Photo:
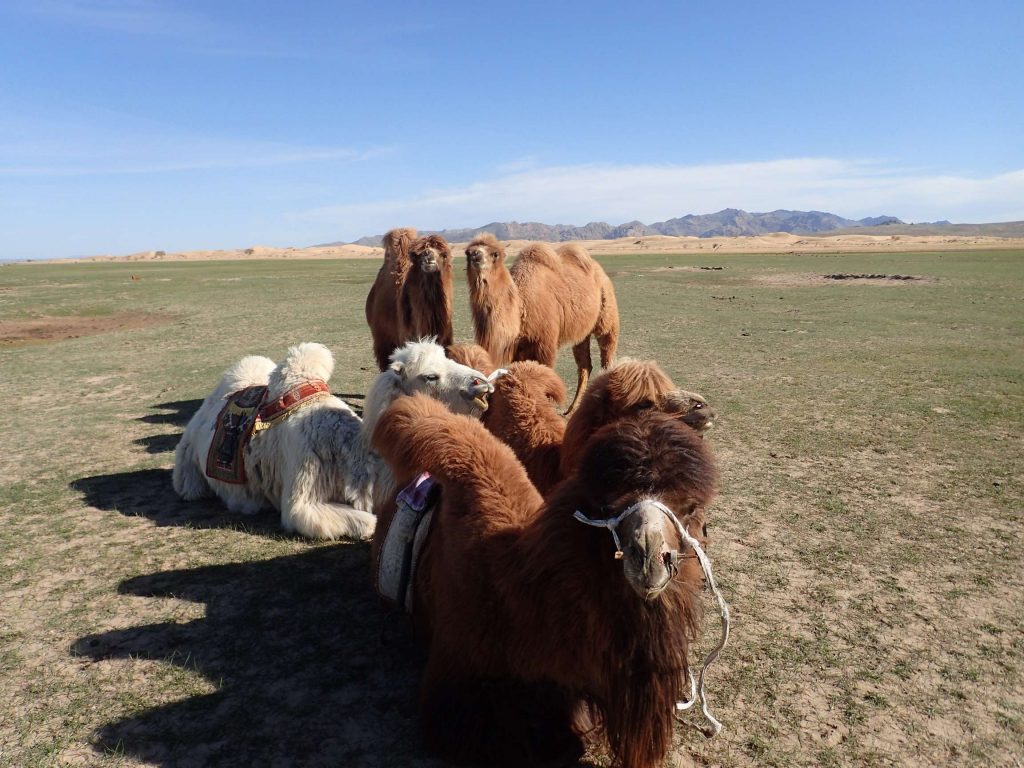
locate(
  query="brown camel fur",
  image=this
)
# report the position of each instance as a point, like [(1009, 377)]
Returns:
[(535, 630), (425, 298), (522, 408), (473, 356), (546, 300), (382, 300), (523, 414)]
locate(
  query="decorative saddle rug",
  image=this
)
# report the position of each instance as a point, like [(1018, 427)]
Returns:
[(246, 412), (404, 540)]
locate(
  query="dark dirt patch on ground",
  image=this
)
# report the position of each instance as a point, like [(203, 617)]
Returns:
[(42, 329), (847, 276)]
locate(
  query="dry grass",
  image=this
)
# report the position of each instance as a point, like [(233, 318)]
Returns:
[(868, 532)]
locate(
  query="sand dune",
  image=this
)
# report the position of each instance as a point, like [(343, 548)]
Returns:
[(777, 242)]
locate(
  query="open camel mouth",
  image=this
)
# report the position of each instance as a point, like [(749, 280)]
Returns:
[(483, 402)]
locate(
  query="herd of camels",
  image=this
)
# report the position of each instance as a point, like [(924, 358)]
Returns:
[(558, 587)]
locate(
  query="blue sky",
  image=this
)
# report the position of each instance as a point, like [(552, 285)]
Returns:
[(130, 125)]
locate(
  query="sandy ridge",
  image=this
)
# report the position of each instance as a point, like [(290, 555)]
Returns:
[(779, 242)]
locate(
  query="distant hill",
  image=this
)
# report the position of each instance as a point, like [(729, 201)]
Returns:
[(1001, 229), (728, 222)]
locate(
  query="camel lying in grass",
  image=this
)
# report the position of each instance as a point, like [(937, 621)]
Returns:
[(294, 447)]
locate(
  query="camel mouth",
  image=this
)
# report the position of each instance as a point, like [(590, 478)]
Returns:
[(429, 266)]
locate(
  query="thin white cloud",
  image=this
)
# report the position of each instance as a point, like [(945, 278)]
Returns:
[(135, 17), (104, 143), (616, 193), (238, 158)]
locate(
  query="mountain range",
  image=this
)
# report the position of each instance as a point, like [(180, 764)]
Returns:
[(729, 222)]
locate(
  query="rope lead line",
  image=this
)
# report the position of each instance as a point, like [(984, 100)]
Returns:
[(696, 686)]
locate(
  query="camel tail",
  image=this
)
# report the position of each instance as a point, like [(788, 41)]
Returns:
[(607, 329), (329, 520)]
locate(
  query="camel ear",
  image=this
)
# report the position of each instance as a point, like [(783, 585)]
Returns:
[(399, 368)]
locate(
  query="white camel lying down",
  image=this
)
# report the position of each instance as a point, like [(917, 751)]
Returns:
[(314, 463)]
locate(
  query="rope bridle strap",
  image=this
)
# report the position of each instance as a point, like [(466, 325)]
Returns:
[(696, 686)]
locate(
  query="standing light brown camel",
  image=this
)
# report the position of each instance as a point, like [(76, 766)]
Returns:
[(425, 298), (382, 301), (538, 628), (545, 300)]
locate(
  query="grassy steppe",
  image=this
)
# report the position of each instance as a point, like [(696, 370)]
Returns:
[(867, 534)]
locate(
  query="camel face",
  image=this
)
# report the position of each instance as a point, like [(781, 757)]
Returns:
[(691, 409), (483, 255), (648, 560), (430, 259), (422, 367)]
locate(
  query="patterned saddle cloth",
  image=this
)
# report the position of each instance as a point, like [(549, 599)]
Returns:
[(245, 412), (404, 540)]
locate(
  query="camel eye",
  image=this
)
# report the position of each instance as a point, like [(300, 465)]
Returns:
[(430, 378), (698, 406), (644, 405)]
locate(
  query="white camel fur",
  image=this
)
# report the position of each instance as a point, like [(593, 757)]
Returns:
[(315, 465)]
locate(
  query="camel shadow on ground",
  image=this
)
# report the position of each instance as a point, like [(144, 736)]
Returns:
[(178, 414), (148, 493), (309, 668)]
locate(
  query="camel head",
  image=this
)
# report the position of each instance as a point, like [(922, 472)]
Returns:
[(690, 408), (638, 478), (431, 254), (483, 254), (421, 366)]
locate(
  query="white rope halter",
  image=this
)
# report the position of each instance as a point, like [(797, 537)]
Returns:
[(696, 687)]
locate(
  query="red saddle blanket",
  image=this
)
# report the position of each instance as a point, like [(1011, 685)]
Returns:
[(235, 423), (248, 410)]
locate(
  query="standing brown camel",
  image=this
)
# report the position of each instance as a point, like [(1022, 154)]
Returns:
[(382, 301), (425, 298), (546, 300), (537, 628)]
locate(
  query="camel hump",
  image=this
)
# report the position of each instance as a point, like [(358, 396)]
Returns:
[(539, 254), (575, 256), (396, 242)]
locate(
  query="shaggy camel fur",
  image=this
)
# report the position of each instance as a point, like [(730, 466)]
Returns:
[(523, 415), (315, 465), (522, 412), (425, 299), (382, 301), (546, 300), (472, 355), (535, 630)]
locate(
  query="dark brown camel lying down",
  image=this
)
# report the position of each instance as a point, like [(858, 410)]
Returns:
[(544, 631)]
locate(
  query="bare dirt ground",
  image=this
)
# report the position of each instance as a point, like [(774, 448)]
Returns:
[(40, 329)]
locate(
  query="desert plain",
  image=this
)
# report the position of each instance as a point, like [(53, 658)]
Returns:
[(867, 533)]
